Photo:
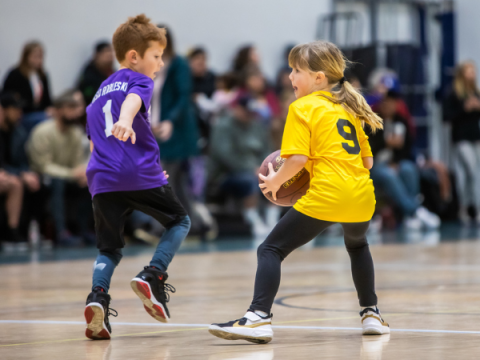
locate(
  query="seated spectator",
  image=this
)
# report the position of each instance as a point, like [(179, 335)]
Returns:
[(29, 82), (462, 110), (239, 145), (14, 158), (246, 58), (264, 102), (226, 92), (381, 81), (56, 152), (393, 171), (12, 189), (283, 86), (96, 71), (203, 87)]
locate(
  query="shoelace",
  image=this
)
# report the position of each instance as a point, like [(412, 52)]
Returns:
[(168, 287), (110, 313)]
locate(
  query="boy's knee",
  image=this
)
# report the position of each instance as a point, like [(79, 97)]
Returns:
[(186, 222), (114, 254)]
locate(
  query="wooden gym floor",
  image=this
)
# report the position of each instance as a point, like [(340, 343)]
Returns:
[(428, 291)]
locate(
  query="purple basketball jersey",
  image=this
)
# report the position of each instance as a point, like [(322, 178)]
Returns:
[(116, 165)]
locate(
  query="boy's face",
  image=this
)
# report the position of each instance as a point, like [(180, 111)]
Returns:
[(151, 63)]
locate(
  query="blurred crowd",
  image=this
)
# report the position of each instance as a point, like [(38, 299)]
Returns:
[(214, 131)]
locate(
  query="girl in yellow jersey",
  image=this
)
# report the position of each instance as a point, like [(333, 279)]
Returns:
[(324, 133)]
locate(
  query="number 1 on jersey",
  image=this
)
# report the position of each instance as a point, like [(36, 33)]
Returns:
[(107, 110)]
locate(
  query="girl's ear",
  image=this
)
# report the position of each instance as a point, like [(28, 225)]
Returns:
[(319, 77)]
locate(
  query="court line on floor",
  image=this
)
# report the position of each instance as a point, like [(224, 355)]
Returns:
[(113, 336), (203, 326)]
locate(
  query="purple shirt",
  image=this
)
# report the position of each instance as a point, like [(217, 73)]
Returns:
[(116, 165)]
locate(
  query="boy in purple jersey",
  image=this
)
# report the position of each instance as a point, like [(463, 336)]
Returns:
[(126, 175)]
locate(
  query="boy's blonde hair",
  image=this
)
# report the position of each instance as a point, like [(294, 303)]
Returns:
[(326, 57), (136, 34)]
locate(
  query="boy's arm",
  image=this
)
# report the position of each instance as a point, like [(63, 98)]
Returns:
[(122, 129)]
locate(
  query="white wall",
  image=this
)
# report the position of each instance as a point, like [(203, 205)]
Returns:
[(69, 28), (468, 30)]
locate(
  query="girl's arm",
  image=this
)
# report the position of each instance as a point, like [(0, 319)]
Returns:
[(289, 169), (368, 162)]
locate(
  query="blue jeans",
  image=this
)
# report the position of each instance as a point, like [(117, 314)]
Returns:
[(241, 185), (59, 189), (401, 185)]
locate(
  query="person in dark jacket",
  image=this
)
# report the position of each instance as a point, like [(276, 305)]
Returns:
[(203, 87), (29, 82), (462, 110), (96, 71), (174, 123)]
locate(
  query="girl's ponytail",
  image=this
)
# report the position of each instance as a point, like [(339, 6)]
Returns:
[(356, 105), (325, 56)]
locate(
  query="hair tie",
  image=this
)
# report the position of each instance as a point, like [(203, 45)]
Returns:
[(342, 80)]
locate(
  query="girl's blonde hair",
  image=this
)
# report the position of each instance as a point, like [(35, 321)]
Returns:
[(462, 87), (326, 57)]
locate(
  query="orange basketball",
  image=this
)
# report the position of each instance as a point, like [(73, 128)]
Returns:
[(291, 190)]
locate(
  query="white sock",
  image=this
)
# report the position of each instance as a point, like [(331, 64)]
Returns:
[(272, 214), (261, 313)]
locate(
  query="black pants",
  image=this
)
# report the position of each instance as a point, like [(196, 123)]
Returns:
[(296, 229), (112, 208)]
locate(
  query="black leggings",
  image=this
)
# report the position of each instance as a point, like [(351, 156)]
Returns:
[(296, 229)]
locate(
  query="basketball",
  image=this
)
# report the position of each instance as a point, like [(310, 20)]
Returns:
[(291, 190)]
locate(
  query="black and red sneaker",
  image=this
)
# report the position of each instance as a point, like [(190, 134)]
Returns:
[(96, 315), (150, 287)]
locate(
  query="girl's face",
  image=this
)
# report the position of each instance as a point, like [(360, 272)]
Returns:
[(469, 73), (256, 83), (35, 58), (303, 82), (254, 57)]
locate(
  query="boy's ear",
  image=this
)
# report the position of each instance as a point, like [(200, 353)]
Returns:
[(132, 56)]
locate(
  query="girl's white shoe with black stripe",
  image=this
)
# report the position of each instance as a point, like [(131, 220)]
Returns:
[(373, 323), (252, 327)]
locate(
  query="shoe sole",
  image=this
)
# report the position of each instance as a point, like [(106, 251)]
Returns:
[(151, 305), (94, 316), (223, 334), (372, 330)]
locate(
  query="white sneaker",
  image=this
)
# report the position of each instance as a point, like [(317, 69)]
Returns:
[(429, 219), (464, 217), (372, 322), (412, 223), (252, 327)]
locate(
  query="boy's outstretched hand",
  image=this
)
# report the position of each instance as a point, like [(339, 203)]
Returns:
[(123, 131)]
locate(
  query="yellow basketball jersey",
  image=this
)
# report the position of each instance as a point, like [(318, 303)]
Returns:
[(335, 143)]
